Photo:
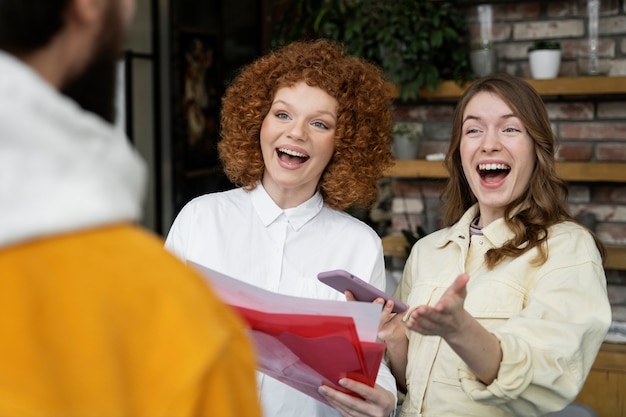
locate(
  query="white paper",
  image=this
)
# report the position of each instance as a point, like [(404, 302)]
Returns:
[(241, 294)]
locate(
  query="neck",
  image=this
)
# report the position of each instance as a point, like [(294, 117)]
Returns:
[(286, 198)]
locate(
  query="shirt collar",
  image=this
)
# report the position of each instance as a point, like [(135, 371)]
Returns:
[(497, 231), (297, 217)]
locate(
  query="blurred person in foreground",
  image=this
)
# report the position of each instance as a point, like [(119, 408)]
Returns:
[(95, 318), (509, 301)]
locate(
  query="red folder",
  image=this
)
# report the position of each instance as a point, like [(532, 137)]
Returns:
[(301, 348)]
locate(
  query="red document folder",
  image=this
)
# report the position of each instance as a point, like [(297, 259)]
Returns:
[(300, 344)]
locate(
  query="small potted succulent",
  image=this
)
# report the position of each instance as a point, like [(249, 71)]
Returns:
[(406, 140), (544, 57)]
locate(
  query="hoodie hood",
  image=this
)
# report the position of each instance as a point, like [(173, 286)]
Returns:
[(61, 169)]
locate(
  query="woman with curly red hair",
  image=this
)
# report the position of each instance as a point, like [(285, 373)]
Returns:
[(305, 135)]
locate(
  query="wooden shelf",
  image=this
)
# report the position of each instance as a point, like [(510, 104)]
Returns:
[(555, 87), (395, 245), (417, 168), (616, 258), (604, 387), (569, 171)]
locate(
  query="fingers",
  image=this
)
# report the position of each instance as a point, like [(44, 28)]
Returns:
[(459, 286), (424, 320), (350, 297), (346, 404), (454, 297), (390, 327), (374, 400), (387, 306)]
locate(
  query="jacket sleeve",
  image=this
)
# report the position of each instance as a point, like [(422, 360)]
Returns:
[(549, 347)]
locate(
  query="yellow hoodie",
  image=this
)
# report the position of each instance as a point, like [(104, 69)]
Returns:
[(103, 322)]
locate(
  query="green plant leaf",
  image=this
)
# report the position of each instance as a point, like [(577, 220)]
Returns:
[(417, 43)]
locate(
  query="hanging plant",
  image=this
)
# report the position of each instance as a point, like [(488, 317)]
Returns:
[(417, 43)]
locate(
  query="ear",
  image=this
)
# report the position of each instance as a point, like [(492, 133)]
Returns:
[(85, 12)]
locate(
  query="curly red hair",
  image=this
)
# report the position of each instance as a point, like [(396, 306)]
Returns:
[(364, 122)]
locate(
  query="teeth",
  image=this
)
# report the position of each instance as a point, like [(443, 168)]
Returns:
[(292, 153), (492, 167)]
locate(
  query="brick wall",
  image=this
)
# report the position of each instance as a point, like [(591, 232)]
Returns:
[(589, 128)]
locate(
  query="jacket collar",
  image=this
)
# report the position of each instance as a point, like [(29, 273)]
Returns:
[(497, 231)]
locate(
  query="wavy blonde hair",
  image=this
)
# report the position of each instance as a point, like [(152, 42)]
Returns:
[(544, 203), (364, 123)]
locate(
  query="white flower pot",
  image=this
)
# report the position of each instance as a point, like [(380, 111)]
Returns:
[(405, 147), (406, 144), (544, 63)]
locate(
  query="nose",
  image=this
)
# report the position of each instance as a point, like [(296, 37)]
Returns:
[(297, 130), (491, 141)]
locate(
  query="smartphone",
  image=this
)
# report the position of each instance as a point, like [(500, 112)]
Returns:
[(363, 291)]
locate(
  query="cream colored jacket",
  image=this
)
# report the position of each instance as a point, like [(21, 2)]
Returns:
[(550, 319)]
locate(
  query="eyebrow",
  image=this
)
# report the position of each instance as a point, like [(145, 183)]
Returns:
[(330, 113), (505, 116)]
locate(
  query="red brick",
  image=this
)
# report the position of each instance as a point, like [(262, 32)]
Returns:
[(548, 29), (593, 130), (438, 130), (603, 212), (609, 194), (578, 193), (413, 188), (619, 68), (612, 233), (611, 152), (612, 25), (568, 69), (571, 48), (574, 152), (612, 110), (566, 9), (517, 11), (499, 31), (513, 50), (507, 12), (423, 112), (502, 31), (570, 110)]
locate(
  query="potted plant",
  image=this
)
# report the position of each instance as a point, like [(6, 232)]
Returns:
[(406, 140), (544, 57), (417, 43)]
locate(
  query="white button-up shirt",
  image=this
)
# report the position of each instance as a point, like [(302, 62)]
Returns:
[(247, 236)]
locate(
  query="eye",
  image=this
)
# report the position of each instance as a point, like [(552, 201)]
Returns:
[(511, 130), (282, 115), (320, 125), (471, 131)]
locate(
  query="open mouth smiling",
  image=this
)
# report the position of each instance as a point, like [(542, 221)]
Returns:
[(493, 172), (289, 155)]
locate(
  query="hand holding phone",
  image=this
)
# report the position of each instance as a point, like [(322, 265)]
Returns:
[(363, 291)]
